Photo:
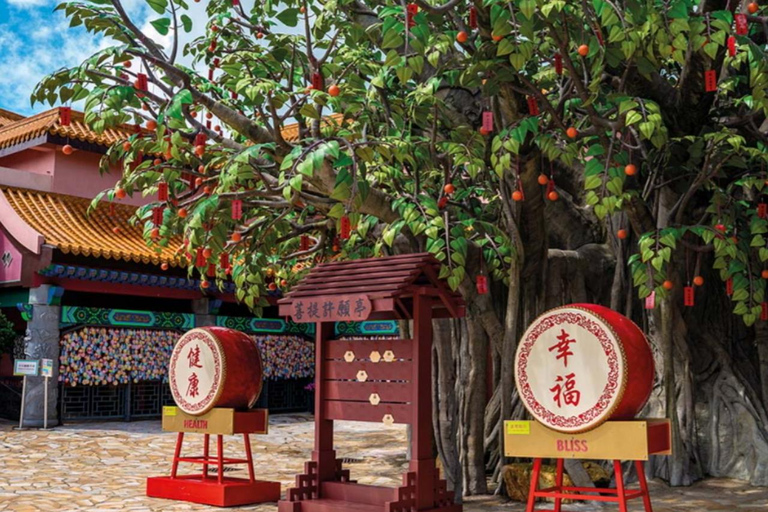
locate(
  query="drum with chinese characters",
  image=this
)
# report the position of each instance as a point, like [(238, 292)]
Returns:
[(215, 367), (580, 365)]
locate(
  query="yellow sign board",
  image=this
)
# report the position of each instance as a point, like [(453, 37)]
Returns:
[(518, 428), (218, 421), (169, 410), (613, 440)]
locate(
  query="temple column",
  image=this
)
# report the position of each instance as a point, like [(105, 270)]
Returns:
[(42, 341), (202, 311)]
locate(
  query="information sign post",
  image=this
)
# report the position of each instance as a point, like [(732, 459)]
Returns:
[(25, 368)]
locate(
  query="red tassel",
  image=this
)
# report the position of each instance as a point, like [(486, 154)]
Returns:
[(344, 228), (762, 210), (650, 300), (211, 270), (162, 191), (741, 24), (237, 209), (65, 116), (558, 64), (732, 46), (688, 295), (482, 285), (764, 311), (200, 139), (141, 82), (210, 74), (533, 106), (157, 215), (304, 243), (224, 260), (729, 286), (317, 81), (488, 121), (472, 17), (410, 12), (710, 80)]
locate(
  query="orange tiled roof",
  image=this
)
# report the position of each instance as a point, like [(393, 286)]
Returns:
[(16, 129), (8, 117), (64, 223), (48, 122), (291, 132)]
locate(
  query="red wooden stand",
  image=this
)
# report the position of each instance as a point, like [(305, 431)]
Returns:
[(372, 380), (217, 489), (559, 492)]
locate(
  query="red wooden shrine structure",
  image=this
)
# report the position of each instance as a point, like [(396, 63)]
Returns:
[(372, 380)]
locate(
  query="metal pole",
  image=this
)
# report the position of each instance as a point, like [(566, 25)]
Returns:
[(45, 405), (23, 396)]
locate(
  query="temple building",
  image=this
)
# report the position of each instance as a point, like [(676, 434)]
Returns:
[(86, 291)]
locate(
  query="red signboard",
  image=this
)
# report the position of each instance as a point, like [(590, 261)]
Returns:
[(340, 308)]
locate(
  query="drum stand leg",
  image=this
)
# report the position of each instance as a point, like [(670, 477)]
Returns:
[(619, 476), (206, 451), (534, 485), (220, 456), (177, 454), (249, 456), (643, 485), (559, 483)]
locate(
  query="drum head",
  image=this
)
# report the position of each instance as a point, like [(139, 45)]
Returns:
[(570, 369), (196, 372)]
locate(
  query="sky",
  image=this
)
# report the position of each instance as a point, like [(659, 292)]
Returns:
[(36, 41)]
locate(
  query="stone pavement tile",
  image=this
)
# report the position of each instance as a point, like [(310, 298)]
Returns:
[(104, 466)]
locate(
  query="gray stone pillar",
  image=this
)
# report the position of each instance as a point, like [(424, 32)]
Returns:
[(42, 341), (203, 317)]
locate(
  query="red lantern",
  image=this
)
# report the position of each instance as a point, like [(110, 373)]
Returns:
[(488, 121), (650, 300), (741, 24), (317, 81), (65, 116), (472, 17), (710, 80), (162, 191), (157, 215), (344, 228), (237, 209), (688, 296), (141, 82), (533, 106), (729, 286), (410, 12), (732, 46), (199, 258), (482, 285), (558, 64)]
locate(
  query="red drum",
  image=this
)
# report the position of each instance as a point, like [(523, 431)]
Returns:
[(580, 365), (215, 367)]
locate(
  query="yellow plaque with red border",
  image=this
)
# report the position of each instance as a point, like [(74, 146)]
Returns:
[(613, 440), (217, 421)]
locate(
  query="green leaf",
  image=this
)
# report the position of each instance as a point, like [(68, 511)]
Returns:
[(159, 6), (162, 25), (186, 22), (289, 17)]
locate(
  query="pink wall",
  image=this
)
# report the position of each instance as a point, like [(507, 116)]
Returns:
[(48, 169), (10, 273)]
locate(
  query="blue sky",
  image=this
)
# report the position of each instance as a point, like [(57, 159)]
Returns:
[(35, 41)]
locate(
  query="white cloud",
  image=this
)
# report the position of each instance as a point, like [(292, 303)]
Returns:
[(25, 4)]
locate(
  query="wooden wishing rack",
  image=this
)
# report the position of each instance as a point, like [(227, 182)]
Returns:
[(372, 380)]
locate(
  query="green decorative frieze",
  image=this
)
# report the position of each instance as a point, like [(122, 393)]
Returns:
[(74, 315)]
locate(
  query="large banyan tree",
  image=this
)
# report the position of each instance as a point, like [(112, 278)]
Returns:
[(546, 152)]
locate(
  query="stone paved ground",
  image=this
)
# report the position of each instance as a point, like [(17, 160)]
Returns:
[(101, 467)]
